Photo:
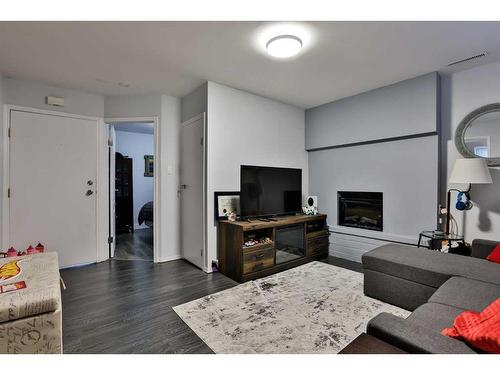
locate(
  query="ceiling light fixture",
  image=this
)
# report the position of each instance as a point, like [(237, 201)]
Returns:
[(284, 46)]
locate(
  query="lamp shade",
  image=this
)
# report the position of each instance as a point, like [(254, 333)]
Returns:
[(470, 171)]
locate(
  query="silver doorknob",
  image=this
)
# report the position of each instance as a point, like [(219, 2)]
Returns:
[(89, 193)]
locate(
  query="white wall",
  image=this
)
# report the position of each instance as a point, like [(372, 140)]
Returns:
[(168, 111), (462, 93), (169, 183), (248, 129), (135, 146)]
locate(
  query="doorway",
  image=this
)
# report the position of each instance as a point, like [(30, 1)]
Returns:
[(132, 181)]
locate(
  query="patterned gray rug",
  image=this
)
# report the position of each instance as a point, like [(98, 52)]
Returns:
[(314, 308)]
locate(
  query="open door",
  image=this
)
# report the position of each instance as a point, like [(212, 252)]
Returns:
[(112, 190), (192, 177)]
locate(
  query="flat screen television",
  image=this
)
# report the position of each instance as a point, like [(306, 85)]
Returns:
[(270, 191)]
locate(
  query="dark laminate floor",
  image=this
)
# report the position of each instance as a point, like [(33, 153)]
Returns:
[(135, 246), (126, 306)]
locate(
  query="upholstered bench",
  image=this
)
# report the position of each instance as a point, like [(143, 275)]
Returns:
[(30, 304)]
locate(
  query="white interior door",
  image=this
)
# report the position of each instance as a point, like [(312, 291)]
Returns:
[(192, 189), (52, 173)]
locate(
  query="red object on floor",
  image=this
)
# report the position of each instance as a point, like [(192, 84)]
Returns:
[(31, 250), (494, 255), (481, 330), (40, 248)]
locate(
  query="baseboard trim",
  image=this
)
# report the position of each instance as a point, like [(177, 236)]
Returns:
[(169, 258)]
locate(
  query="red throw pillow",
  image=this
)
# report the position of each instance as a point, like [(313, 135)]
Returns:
[(481, 330), (494, 255)]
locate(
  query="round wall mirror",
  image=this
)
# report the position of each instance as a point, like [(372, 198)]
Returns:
[(478, 135)]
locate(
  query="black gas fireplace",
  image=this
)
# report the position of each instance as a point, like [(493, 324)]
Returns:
[(360, 209)]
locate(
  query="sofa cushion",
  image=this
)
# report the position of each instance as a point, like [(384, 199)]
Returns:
[(434, 316), (428, 267), (479, 329), (466, 294)]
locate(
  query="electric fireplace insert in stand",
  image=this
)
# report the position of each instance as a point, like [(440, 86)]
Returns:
[(360, 209)]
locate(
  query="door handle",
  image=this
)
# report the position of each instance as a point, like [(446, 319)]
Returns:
[(89, 193), (184, 186), (90, 182)]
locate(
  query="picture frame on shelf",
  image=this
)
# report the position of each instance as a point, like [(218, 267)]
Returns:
[(226, 202)]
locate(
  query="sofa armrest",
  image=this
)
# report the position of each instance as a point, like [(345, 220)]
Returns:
[(413, 338), (482, 248)]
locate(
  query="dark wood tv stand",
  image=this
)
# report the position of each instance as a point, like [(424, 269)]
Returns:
[(285, 242)]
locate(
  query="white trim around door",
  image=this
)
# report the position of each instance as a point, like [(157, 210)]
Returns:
[(156, 178)]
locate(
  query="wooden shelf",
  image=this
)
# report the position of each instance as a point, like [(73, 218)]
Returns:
[(243, 263), (260, 246)]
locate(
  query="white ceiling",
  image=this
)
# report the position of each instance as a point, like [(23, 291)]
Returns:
[(135, 127), (339, 58)]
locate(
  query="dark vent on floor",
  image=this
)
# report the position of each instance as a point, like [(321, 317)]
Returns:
[(479, 55)]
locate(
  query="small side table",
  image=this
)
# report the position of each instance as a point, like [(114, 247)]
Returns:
[(438, 236)]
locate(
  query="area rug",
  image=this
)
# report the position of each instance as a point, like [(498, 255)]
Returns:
[(314, 308)]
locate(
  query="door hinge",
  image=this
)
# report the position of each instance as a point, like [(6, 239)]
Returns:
[(110, 239), (9, 132), (8, 193), (201, 141), (201, 252)]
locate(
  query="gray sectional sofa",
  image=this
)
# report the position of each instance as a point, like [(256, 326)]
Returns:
[(435, 286)]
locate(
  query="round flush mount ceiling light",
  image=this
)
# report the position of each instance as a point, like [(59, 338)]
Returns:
[(284, 46)]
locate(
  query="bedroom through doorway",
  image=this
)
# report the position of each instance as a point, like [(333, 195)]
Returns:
[(132, 174)]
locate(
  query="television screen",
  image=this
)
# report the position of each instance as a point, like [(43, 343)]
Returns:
[(268, 191)]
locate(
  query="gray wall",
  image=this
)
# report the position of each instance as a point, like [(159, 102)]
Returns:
[(405, 108), (463, 92), (32, 94), (195, 103), (406, 170)]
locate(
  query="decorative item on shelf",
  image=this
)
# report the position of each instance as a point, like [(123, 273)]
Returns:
[(309, 210), (466, 171), (253, 241), (148, 165), (227, 205)]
